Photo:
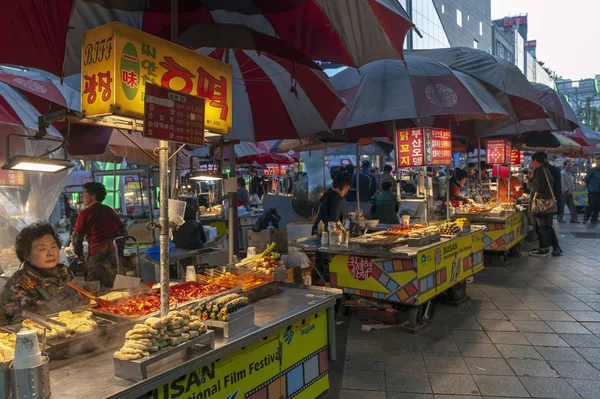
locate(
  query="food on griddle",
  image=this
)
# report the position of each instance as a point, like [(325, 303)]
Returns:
[(136, 306), (111, 296), (424, 232), (7, 348), (233, 280), (191, 290), (450, 228), (462, 222), (159, 332), (404, 228), (77, 323)]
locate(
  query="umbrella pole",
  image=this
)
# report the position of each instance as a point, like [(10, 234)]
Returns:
[(357, 175), (396, 171), (478, 158)]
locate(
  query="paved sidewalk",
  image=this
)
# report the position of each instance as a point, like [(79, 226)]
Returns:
[(531, 329)]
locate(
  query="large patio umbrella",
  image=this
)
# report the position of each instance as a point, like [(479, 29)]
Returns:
[(351, 32), (427, 93), (508, 84), (557, 107), (546, 141), (583, 135), (275, 99), (529, 125)]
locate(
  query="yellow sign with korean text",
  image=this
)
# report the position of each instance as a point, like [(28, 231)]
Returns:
[(117, 61), (292, 363)]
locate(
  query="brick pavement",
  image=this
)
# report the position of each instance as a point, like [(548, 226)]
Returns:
[(531, 329)]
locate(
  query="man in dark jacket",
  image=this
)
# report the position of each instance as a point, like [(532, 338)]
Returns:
[(592, 181), (367, 183), (557, 190), (190, 235)]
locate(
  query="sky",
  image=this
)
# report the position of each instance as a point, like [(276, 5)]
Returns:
[(566, 33)]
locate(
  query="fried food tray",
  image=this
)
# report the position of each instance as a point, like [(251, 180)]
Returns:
[(65, 348), (386, 241)]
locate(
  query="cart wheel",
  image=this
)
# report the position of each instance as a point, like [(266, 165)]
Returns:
[(457, 292), (417, 316), (516, 251)]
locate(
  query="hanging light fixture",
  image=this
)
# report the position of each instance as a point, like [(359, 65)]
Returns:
[(206, 176), (37, 164)]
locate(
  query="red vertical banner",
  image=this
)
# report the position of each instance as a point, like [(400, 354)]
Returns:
[(516, 157), (410, 144), (496, 152), (438, 147)]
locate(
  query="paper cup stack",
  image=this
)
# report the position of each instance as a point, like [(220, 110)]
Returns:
[(27, 351)]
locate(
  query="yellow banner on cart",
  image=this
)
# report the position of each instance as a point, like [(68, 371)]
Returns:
[(292, 363), (117, 61)]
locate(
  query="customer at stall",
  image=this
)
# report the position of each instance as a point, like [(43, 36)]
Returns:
[(99, 225), (190, 235), (330, 210), (40, 285), (386, 177), (242, 196), (541, 186), (592, 181), (568, 187), (386, 206)]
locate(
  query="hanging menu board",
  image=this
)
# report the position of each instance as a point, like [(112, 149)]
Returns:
[(497, 152), (516, 157), (424, 147), (410, 148), (438, 147)]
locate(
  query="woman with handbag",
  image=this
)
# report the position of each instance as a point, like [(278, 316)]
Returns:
[(543, 203)]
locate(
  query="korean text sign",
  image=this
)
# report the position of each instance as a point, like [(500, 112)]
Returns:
[(497, 152), (173, 116), (516, 157), (438, 147), (424, 147), (117, 61)]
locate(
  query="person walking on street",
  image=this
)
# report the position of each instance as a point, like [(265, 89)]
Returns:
[(568, 187), (557, 190), (592, 181), (541, 184)]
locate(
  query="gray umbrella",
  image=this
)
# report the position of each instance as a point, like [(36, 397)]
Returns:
[(557, 107), (508, 84), (427, 93)]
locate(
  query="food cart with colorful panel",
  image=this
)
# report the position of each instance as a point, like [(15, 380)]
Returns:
[(404, 275), (503, 234)]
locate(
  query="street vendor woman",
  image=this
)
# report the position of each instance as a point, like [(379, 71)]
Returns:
[(99, 225), (458, 180), (331, 210), (40, 285)]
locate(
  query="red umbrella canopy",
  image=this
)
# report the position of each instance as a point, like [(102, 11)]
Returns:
[(427, 93), (351, 32), (275, 99)]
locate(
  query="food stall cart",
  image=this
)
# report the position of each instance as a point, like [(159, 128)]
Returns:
[(382, 267)]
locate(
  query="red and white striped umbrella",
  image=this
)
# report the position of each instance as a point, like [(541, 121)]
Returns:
[(276, 99), (351, 32)]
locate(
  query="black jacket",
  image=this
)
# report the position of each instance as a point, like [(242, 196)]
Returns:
[(190, 235), (330, 208)]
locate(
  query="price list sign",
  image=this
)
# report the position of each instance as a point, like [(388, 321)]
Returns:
[(210, 168), (410, 148), (497, 152), (12, 178), (516, 157), (173, 116), (438, 147)]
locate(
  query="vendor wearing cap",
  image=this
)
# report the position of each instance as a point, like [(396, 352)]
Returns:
[(40, 285), (99, 225)]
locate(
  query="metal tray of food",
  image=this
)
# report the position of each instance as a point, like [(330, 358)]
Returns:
[(238, 321), (137, 370), (64, 348), (381, 239)]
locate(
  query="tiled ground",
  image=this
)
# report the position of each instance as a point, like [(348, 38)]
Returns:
[(531, 329)]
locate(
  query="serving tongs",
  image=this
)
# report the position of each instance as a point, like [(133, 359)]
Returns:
[(101, 302)]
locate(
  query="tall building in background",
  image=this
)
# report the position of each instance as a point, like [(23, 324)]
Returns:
[(466, 22), (510, 41)]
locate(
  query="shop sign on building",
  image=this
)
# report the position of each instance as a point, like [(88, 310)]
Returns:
[(423, 147), (117, 61), (173, 116), (498, 152)]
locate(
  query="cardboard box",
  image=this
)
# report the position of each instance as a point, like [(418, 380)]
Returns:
[(261, 239)]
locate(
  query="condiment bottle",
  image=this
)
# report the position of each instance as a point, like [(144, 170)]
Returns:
[(320, 228), (325, 238)]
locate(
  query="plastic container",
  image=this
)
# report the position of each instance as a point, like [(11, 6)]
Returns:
[(406, 219), (154, 252)]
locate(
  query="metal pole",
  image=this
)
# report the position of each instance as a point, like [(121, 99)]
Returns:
[(396, 170), (357, 174), (163, 165), (478, 158), (448, 193), (173, 174), (233, 216), (141, 193)]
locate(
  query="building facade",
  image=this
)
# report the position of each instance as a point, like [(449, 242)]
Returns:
[(466, 22)]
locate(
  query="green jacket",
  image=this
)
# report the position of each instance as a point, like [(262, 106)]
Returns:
[(38, 290), (386, 208)]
